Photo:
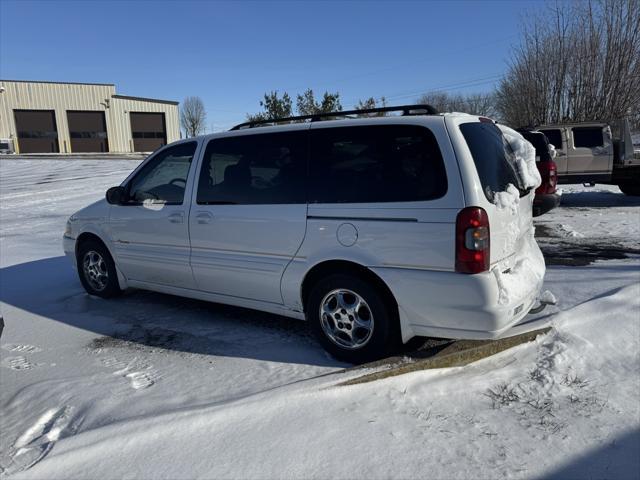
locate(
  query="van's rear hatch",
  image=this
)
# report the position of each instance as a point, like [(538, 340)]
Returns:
[(505, 163)]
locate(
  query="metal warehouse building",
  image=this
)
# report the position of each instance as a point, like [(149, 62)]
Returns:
[(44, 117)]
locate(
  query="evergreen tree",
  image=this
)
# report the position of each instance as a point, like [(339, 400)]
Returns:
[(273, 107), (371, 103), (307, 104)]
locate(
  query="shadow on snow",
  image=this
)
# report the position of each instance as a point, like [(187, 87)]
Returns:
[(598, 199), (50, 289), (617, 459)]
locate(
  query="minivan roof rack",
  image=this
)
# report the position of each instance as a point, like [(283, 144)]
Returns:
[(316, 117)]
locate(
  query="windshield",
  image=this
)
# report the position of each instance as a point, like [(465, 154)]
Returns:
[(493, 157)]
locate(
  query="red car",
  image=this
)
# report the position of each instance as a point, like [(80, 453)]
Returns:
[(546, 197)]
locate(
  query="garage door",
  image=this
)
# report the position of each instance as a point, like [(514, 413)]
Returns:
[(37, 132), (148, 131), (88, 131)]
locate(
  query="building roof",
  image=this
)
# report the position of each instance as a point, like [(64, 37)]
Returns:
[(60, 83), (124, 97), (144, 99)]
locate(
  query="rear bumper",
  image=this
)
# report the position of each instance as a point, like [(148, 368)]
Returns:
[(459, 306), (544, 203)]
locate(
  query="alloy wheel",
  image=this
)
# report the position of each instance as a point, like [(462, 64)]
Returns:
[(346, 319), (95, 270)]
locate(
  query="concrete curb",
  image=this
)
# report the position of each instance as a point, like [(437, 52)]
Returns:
[(456, 354)]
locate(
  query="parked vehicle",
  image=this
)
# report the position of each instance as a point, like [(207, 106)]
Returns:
[(375, 230), (588, 153), (6, 146), (546, 198)]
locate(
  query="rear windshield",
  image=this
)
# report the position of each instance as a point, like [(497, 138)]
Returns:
[(493, 157), (539, 142), (4, 146)]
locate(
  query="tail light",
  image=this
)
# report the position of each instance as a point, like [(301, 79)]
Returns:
[(472, 241), (549, 175), (553, 177)]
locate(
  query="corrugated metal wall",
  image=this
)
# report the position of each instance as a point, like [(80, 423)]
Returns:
[(121, 122), (62, 97)]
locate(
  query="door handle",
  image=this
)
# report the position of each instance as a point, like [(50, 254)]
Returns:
[(204, 217), (177, 217)]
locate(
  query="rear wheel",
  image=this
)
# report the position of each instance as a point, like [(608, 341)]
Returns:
[(351, 318), (97, 270)]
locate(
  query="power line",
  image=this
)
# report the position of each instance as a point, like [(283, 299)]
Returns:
[(450, 86), (414, 62)]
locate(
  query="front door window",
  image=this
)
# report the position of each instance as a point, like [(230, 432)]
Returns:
[(164, 178)]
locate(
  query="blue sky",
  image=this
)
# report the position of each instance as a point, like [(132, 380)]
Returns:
[(230, 53)]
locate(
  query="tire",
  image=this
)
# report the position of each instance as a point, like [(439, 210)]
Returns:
[(96, 269), (630, 188), (367, 333)]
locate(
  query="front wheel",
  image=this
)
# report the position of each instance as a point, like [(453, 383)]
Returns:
[(351, 318), (97, 270)]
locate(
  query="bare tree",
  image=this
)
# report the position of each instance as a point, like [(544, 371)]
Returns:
[(193, 116), (474, 103), (578, 61)]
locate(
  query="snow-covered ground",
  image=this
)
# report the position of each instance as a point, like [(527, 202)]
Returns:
[(154, 386), (587, 213)]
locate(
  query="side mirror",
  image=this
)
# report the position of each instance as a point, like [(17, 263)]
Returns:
[(115, 195)]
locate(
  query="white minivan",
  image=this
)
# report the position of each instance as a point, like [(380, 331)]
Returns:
[(375, 230)]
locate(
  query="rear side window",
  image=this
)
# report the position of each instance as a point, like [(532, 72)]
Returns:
[(587, 137), (493, 157), (254, 169), (384, 163), (554, 137)]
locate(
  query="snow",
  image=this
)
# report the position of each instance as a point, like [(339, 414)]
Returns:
[(529, 268), (546, 408), (601, 212), (527, 271), (548, 298), (154, 386), (525, 155), (507, 200), (603, 149)]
